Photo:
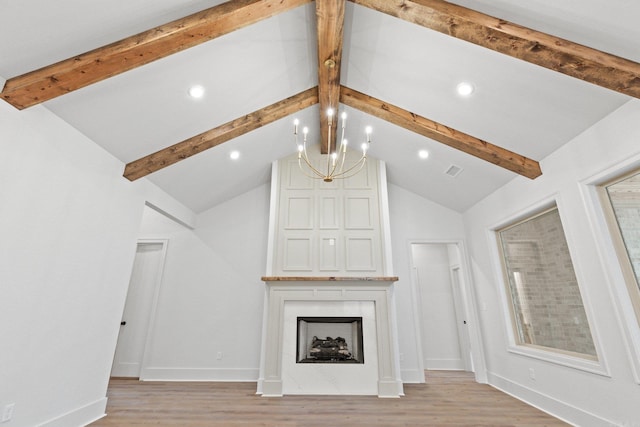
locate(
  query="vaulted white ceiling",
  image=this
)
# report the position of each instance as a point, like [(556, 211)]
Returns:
[(518, 106)]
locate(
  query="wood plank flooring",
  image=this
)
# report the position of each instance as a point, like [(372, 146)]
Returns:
[(448, 399)]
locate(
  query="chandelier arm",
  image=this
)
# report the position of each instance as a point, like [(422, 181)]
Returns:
[(302, 154), (361, 163), (315, 171), (309, 164), (341, 163), (304, 157), (333, 170), (343, 148), (342, 152), (329, 126)]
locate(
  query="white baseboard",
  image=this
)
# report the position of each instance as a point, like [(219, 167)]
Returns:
[(562, 410), (79, 417), (444, 364), (390, 389), (203, 374)]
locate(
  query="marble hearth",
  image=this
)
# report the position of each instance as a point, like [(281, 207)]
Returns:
[(290, 298)]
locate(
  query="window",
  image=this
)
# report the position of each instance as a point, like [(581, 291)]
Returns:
[(545, 301), (622, 201)]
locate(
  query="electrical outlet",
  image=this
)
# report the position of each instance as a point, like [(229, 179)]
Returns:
[(219, 355), (7, 412), (532, 373)]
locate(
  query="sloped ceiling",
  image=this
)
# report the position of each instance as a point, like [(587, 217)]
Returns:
[(516, 105)]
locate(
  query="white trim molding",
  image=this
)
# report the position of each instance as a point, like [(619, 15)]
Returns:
[(322, 290), (200, 374), (615, 280), (562, 410), (470, 303), (385, 219), (81, 416)]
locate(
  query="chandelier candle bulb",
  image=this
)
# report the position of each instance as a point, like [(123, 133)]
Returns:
[(335, 161)]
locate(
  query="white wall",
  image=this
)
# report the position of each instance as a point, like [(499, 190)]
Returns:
[(211, 295), (68, 222), (584, 398), (414, 218)]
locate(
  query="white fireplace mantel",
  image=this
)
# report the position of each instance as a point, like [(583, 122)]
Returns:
[(287, 293)]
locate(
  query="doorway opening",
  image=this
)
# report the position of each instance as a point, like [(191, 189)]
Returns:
[(442, 304), (139, 309)]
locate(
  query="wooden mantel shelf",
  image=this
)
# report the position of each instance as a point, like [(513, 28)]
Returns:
[(328, 279)]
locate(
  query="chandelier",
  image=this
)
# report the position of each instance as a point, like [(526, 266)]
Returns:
[(334, 166)]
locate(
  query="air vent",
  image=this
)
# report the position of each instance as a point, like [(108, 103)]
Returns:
[(453, 170)]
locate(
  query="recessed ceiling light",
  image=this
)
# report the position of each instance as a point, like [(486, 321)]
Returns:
[(423, 154), (234, 155), (196, 91), (465, 88)]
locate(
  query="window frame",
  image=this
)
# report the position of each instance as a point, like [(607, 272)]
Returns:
[(609, 259), (583, 362), (631, 281)]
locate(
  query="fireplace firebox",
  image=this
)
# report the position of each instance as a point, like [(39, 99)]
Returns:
[(329, 340)]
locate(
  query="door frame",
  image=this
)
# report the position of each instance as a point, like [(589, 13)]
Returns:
[(146, 356), (470, 307), (460, 303)]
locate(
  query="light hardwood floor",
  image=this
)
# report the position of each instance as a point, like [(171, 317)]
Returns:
[(448, 399)]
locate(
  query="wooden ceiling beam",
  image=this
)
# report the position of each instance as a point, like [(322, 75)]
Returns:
[(330, 27), (233, 129), (441, 133), (554, 53), (124, 55)]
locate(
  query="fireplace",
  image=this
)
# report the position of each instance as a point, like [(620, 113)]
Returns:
[(356, 310), (329, 340)]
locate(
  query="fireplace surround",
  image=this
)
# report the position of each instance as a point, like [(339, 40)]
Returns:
[(291, 298)]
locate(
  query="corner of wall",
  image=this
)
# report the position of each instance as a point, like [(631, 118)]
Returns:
[(81, 416), (559, 409)]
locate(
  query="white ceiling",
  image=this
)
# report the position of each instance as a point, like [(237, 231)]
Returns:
[(518, 106)]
